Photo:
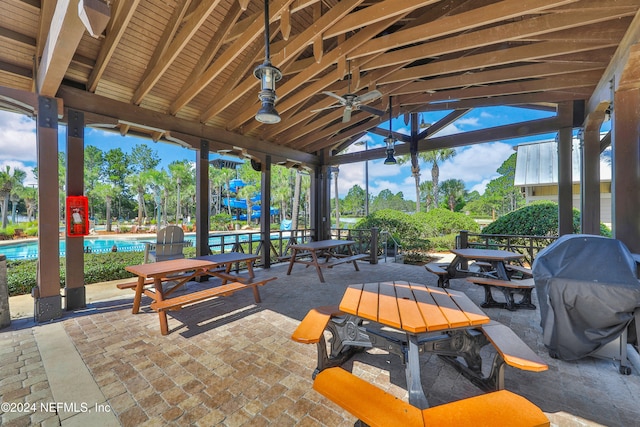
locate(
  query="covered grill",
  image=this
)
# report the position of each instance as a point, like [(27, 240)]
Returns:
[(589, 295)]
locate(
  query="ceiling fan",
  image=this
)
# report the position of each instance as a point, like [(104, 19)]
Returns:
[(351, 101)]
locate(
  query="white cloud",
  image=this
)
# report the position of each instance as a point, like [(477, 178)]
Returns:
[(451, 129), (17, 137), (28, 169), (468, 121), (476, 165), (380, 176)]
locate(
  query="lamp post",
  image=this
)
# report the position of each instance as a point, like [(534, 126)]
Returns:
[(366, 177)]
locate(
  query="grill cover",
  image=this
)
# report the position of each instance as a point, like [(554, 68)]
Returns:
[(587, 291)]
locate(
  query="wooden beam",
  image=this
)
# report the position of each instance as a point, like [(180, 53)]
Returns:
[(291, 49), (213, 47), (122, 17), (64, 37), (376, 12), (447, 25), (228, 56), (187, 31), (609, 81), (535, 51), (520, 30), (96, 104), (515, 130)]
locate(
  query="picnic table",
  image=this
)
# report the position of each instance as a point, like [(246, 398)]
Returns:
[(327, 249), (433, 320), (489, 268), (225, 264), (176, 273)]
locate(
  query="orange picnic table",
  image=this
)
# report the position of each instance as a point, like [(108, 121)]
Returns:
[(415, 309)]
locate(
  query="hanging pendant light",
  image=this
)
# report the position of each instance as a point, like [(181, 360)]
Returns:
[(268, 76), (390, 140)]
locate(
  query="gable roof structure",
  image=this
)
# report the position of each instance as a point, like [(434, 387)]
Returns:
[(181, 70)]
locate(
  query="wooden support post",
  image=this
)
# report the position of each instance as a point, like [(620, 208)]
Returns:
[(48, 302), (202, 199), (626, 159), (75, 294)]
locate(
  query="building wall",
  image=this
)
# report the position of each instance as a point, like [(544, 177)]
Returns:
[(550, 193)]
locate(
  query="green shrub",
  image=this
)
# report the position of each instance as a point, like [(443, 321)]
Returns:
[(220, 221), (21, 274), (539, 219), (416, 251), (401, 226), (443, 243), (440, 222)]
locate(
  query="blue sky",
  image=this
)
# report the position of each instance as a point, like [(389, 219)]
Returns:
[(475, 165)]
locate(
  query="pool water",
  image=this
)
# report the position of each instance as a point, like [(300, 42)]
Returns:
[(29, 249)]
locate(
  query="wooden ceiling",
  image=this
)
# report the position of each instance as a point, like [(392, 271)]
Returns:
[(181, 70)]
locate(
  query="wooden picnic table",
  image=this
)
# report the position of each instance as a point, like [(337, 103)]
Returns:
[(497, 259), (492, 271), (179, 271), (415, 309), (428, 320), (225, 263), (328, 250)]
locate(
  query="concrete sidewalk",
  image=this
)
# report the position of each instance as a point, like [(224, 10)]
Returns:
[(231, 362)]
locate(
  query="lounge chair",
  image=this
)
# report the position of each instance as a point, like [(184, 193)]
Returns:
[(169, 245)]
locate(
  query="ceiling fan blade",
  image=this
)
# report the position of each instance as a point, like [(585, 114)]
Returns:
[(372, 110), (338, 97), (346, 116), (326, 108), (369, 96)]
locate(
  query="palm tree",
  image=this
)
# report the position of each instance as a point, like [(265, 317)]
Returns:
[(453, 189), (156, 181), (107, 192), (426, 189), (415, 170), (434, 157), (9, 182), (247, 192), (281, 188), (138, 182), (30, 197)]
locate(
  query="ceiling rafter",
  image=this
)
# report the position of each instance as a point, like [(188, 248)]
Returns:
[(215, 44), (63, 38), (292, 48), (187, 31), (116, 30), (169, 33), (328, 60), (431, 55), (447, 25), (535, 26), (232, 52)]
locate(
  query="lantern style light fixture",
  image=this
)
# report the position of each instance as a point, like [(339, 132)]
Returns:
[(390, 140), (268, 76)]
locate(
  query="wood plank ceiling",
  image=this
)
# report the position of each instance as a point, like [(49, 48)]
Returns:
[(164, 67)]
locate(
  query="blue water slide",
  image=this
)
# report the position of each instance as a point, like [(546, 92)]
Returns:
[(236, 184)]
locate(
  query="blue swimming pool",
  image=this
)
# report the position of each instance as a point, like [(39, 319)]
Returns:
[(98, 244)]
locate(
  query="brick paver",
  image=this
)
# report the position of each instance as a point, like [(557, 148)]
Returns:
[(231, 362)]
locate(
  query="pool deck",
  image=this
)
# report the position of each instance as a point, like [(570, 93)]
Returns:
[(231, 362)]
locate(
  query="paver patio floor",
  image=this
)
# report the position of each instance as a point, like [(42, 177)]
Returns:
[(231, 362)]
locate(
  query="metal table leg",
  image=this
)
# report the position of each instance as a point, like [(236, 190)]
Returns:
[(414, 386)]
